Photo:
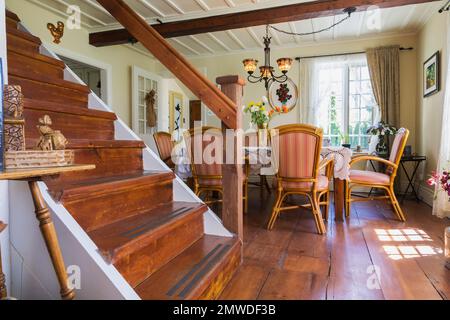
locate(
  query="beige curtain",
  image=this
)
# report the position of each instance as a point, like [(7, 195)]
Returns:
[(384, 68)]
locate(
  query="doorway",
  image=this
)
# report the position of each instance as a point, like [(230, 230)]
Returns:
[(90, 75), (144, 83)]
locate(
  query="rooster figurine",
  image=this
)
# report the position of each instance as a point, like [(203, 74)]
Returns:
[(57, 32)]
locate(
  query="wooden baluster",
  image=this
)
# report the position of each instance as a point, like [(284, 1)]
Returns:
[(51, 240), (233, 176)]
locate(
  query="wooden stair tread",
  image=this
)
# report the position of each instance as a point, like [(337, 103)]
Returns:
[(23, 35), (121, 238), (186, 276), (67, 108), (38, 56), (53, 81), (69, 191), (12, 16), (96, 144)]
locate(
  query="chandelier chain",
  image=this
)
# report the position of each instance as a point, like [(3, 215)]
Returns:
[(314, 32)]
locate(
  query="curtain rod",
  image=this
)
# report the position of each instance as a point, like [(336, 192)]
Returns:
[(446, 7), (344, 54)]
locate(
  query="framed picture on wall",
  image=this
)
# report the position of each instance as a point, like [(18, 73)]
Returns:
[(176, 108), (431, 75)]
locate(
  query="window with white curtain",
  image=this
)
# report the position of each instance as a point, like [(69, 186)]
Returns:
[(338, 97)]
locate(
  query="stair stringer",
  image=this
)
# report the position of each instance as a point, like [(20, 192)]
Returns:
[(33, 276)]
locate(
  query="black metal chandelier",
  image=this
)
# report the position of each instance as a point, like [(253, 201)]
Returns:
[(267, 72)]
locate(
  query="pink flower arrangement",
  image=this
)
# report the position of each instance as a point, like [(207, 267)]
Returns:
[(442, 180)]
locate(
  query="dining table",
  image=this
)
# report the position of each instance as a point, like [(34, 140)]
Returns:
[(341, 157), (260, 159)]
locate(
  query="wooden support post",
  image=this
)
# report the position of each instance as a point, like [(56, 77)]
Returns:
[(233, 175)]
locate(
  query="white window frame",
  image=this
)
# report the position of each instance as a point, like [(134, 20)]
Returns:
[(346, 100)]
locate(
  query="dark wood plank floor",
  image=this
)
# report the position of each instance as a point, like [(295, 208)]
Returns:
[(369, 256)]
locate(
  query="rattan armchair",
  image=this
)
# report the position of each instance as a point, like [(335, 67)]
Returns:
[(384, 181)]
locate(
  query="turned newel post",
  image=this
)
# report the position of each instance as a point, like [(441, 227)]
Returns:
[(233, 175)]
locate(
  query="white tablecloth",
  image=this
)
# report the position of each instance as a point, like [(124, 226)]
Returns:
[(341, 157), (260, 161)]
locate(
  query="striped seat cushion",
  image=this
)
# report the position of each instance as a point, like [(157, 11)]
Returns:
[(210, 182), (323, 184), (369, 177)]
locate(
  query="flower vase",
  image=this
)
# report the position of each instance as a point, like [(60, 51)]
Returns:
[(262, 126), (262, 134)]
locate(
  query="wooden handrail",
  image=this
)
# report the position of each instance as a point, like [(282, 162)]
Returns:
[(204, 89), (223, 104)]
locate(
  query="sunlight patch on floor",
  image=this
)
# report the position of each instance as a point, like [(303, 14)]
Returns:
[(408, 252), (402, 235), (399, 252)]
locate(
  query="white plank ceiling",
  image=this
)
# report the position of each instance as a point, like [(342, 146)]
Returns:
[(404, 19)]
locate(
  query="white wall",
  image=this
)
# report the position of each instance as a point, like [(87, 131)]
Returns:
[(221, 65), (4, 199), (432, 38)]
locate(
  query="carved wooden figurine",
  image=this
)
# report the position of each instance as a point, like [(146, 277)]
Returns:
[(56, 31), (14, 123), (50, 139), (13, 102)]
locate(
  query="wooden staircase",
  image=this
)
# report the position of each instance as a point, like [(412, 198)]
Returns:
[(157, 244)]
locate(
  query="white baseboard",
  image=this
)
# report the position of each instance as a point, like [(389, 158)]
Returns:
[(426, 194)]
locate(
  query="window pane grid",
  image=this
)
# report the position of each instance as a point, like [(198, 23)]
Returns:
[(347, 106)]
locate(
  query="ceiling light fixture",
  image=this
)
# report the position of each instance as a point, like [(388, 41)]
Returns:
[(267, 72)]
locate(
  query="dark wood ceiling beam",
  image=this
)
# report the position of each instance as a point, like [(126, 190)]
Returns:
[(294, 12)]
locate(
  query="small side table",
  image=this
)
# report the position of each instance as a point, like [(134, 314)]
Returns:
[(33, 176), (416, 161), (3, 293)]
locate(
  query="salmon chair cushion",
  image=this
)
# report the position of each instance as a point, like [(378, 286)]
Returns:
[(322, 185), (369, 177), (397, 150), (210, 182)]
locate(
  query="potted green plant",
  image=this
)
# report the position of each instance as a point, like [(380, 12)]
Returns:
[(383, 131), (345, 140)]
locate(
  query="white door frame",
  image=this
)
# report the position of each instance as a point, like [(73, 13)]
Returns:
[(136, 72), (105, 69)]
